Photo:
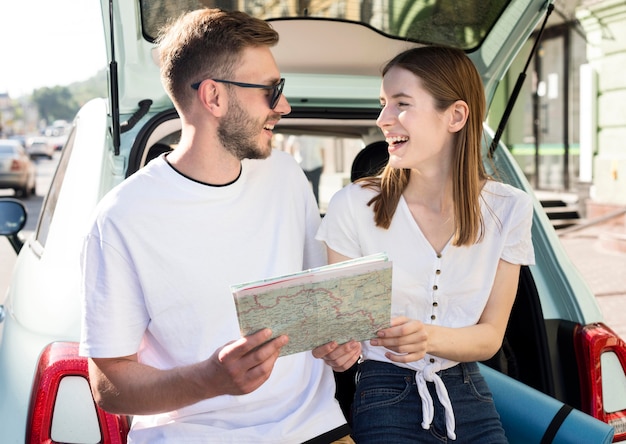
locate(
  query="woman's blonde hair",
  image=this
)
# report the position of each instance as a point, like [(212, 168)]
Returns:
[(448, 75)]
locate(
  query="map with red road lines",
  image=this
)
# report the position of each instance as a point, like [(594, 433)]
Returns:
[(340, 302)]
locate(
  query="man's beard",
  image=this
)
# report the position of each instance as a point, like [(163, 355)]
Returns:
[(238, 132)]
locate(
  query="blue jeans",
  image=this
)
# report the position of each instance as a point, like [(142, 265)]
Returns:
[(387, 407)]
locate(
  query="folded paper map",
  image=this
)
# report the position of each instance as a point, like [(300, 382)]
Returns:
[(338, 302)]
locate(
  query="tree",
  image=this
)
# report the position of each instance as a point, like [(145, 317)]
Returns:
[(86, 90), (56, 103)]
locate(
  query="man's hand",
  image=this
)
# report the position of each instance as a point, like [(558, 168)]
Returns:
[(123, 385), (244, 365), (339, 357)]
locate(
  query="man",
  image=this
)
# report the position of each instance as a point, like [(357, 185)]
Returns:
[(160, 326)]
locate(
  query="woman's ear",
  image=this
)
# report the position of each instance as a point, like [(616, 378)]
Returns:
[(459, 112)]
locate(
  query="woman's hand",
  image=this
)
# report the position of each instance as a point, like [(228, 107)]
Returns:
[(339, 357), (406, 338)]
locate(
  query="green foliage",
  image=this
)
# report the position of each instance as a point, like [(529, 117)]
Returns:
[(63, 102), (91, 88), (55, 103)]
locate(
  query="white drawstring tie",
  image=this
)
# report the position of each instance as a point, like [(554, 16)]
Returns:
[(427, 372)]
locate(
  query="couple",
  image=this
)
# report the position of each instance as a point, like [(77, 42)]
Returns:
[(159, 322)]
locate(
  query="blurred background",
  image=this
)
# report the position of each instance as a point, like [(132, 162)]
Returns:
[(566, 131)]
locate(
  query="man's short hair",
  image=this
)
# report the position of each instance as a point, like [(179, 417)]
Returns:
[(206, 43)]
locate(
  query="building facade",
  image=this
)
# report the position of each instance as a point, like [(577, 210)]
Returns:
[(568, 128), (604, 23)]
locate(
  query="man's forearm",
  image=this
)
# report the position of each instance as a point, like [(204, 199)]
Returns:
[(125, 386)]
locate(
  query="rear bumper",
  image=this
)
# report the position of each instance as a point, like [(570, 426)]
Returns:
[(10, 180)]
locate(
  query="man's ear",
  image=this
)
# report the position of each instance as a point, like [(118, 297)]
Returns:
[(459, 112), (211, 97)]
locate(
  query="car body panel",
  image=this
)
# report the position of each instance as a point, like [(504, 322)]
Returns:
[(45, 309), (139, 79)]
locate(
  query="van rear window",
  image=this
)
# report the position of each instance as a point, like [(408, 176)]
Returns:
[(458, 23)]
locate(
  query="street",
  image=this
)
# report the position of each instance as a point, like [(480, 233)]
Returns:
[(45, 172), (602, 267)]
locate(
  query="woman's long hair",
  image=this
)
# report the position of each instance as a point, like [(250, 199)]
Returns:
[(448, 75)]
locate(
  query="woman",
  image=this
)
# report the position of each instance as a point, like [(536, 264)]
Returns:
[(457, 239)]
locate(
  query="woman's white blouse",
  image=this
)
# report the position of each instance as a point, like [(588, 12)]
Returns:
[(449, 289)]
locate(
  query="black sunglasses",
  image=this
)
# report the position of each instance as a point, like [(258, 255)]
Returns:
[(276, 89)]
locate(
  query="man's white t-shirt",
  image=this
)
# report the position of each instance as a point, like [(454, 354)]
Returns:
[(158, 263)]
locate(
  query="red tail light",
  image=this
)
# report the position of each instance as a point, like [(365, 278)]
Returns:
[(591, 342), (16, 165), (60, 360)]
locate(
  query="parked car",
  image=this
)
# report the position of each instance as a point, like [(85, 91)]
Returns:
[(40, 147), (17, 171), (21, 138), (330, 54), (57, 133)]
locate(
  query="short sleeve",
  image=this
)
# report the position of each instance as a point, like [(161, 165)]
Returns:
[(114, 315), (338, 228), (518, 247)]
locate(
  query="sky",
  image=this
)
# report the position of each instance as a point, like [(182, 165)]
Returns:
[(45, 43)]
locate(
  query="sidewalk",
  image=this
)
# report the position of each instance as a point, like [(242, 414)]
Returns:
[(599, 253)]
